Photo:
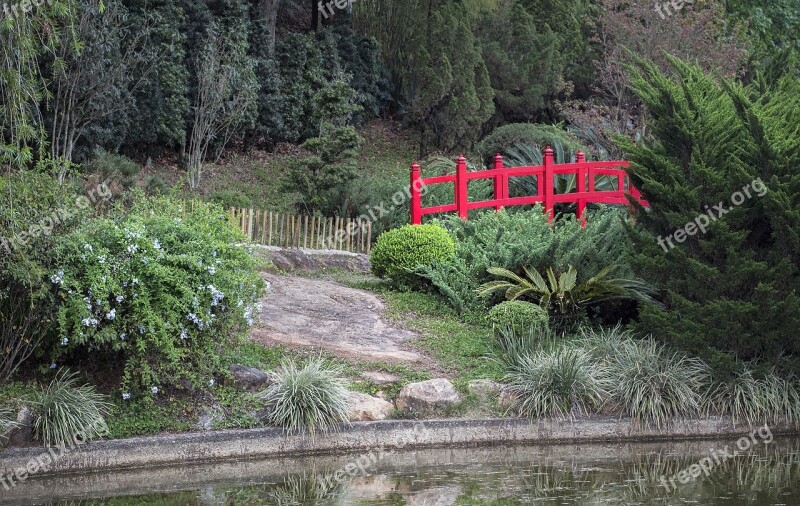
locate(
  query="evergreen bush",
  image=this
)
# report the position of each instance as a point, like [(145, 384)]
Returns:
[(400, 252)]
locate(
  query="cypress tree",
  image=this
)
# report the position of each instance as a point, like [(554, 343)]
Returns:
[(731, 286)]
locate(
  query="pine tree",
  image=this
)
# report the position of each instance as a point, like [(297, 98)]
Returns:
[(732, 290)]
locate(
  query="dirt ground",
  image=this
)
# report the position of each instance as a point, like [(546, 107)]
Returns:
[(319, 314)]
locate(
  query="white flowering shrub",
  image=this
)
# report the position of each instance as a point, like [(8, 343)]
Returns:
[(166, 291)]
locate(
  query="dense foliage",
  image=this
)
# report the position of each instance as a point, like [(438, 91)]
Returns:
[(518, 315), (721, 177), (164, 293), (511, 240)]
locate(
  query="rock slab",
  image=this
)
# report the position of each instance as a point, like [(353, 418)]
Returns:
[(366, 408), (427, 396)]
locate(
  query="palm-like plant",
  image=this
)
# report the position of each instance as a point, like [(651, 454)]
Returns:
[(561, 294)]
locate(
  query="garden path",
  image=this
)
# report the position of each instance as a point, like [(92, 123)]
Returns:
[(321, 314)]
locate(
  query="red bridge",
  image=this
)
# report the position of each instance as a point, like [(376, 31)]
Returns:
[(585, 193)]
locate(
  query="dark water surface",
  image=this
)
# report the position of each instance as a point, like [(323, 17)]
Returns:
[(765, 474)]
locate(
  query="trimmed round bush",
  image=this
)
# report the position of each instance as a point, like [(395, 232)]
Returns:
[(401, 251), (518, 315)]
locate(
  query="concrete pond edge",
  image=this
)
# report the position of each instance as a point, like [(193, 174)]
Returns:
[(248, 444)]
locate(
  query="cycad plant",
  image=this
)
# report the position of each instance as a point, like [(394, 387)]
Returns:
[(561, 294), (308, 398), (67, 413)]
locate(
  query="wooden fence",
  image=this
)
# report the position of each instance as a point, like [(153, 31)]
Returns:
[(302, 231)]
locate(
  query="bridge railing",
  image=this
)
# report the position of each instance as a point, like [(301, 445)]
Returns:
[(585, 189)]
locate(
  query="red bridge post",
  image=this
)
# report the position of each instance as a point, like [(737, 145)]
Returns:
[(581, 187), (461, 188), (549, 204), (500, 182), (416, 195)]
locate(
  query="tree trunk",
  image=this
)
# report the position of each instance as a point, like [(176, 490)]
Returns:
[(269, 11), (315, 15)]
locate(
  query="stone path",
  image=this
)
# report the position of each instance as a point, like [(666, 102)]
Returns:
[(315, 313)]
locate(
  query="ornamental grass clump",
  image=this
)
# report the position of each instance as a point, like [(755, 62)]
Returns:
[(66, 413), (755, 399), (653, 385), (559, 383), (308, 398)]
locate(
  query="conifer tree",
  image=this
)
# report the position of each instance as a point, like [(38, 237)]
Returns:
[(730, 279)]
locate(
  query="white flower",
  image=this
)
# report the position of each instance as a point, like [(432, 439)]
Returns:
[(154, 390), (90, 322), (156, 244), (212, 270), (53, 365), (126, 396), (135, 281), (132, 248), (111, 314), (120, 298), (123, 336), (101, 259), (183, 334), (64, 341), (57, 278), (88, 247), (211, 383)]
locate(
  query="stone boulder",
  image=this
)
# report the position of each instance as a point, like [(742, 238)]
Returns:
[(365, 408), (427, 396), (22, 433), (484, 388), (248, 378)]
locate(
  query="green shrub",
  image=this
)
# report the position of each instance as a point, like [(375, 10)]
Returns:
[(165, 292), (34, 211), (507, 136), (310, 398), (118, 168), (519, 315), (732, 290), (511, 240), (400, 252), (231, 198), (559, 383), (66, 413), (562, 296)]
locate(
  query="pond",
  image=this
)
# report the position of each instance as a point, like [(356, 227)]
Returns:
[(763, 474)]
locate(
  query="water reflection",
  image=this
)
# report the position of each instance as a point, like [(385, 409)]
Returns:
[(569, 474)]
